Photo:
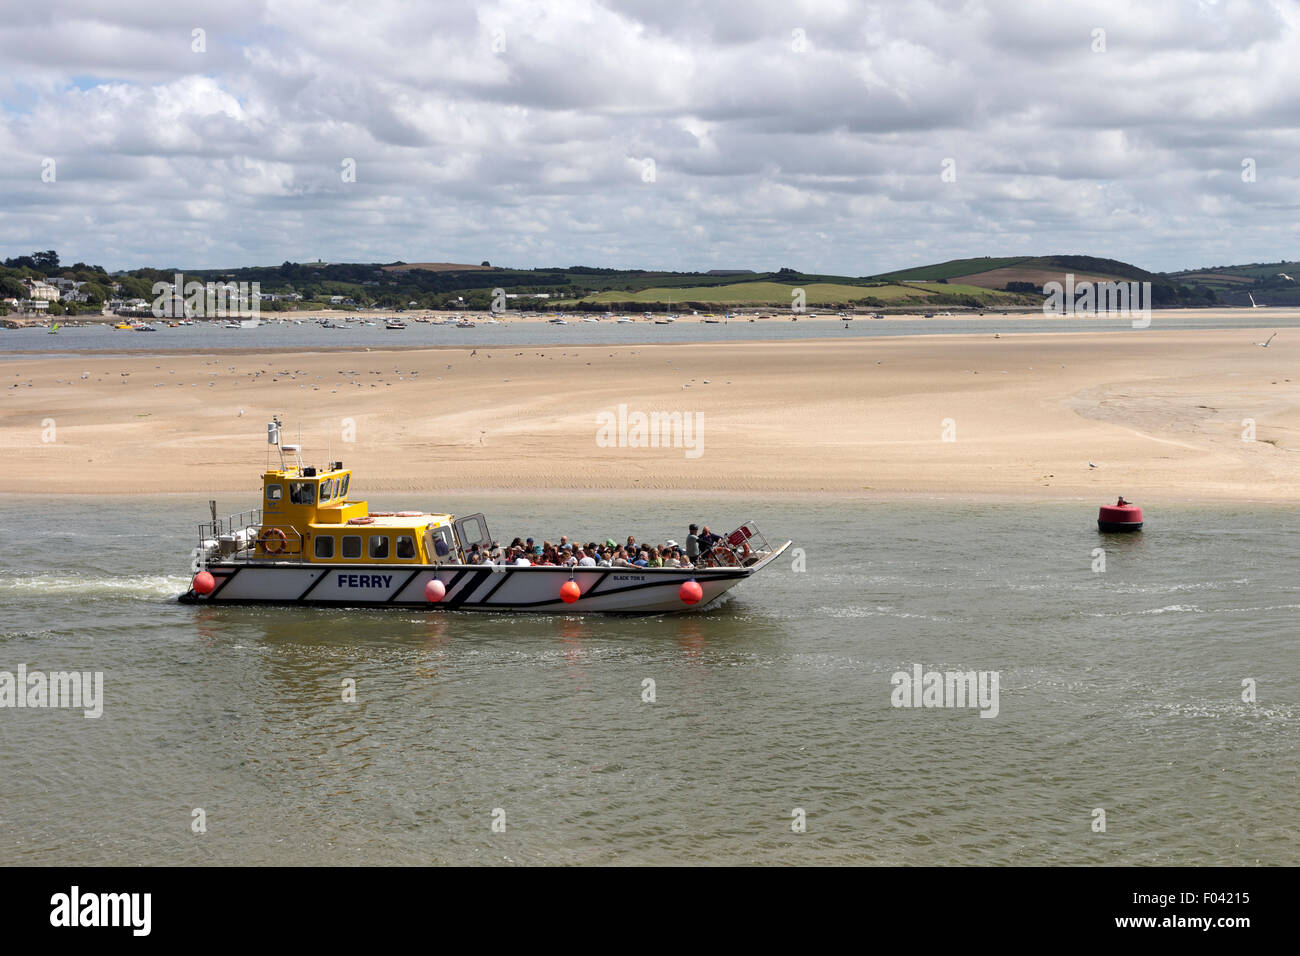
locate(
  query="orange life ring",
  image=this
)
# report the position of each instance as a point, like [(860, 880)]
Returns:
[(361, 520), (745, 552), (274, 534)]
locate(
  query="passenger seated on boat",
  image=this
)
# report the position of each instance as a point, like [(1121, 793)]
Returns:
[(584, 559), (642, 559), (620, 559)]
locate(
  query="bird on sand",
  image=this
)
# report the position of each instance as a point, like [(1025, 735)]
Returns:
[(1264, 344)]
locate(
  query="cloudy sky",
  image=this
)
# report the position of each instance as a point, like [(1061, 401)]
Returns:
[(828, 136)]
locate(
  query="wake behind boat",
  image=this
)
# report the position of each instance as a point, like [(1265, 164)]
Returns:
[(311, 544)]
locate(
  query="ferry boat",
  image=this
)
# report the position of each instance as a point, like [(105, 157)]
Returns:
[(310, 543)]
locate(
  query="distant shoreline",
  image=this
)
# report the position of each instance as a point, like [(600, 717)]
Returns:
[(772, 314)]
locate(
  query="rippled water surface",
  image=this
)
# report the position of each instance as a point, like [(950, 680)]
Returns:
[(1119, 690)]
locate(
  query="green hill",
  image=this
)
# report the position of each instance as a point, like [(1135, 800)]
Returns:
[(1268, 283)]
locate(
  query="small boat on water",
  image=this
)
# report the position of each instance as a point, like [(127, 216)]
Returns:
[(53, 329), (310, 543), (394, 324), (465, 324)]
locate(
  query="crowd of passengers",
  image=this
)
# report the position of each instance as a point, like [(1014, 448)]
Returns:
[(632, 554)]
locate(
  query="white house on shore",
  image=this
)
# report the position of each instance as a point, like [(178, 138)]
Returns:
[(40, 291)]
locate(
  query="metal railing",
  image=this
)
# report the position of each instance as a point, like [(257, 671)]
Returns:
[(738, 549), (235, 537)]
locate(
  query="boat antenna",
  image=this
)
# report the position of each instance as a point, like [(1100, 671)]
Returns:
[(273, 438)]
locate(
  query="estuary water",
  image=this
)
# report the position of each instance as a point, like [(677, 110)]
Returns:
[(1119, 690), (16, 343)]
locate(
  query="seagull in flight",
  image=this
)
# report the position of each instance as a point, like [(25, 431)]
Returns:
[(1264, 344), (1092, 464), (1286, 277)]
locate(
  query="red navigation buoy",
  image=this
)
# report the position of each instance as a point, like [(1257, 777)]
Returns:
[(204, 583), (435, 591), (1120, 516), (570, 592), (691, 592)]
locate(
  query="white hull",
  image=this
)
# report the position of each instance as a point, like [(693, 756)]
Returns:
[(468, 587)]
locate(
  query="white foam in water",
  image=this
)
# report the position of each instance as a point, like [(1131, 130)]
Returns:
[(1168, 609), (135, 585)]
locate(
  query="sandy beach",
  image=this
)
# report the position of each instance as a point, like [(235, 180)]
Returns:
[(1160, 414)]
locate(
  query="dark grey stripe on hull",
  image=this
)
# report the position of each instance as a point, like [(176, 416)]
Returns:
[(464, 593), (402, 587)]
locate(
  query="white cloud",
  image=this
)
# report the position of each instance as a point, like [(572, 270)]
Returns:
[(516, 131)]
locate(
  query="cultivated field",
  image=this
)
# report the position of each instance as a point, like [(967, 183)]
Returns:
[(998, 278), (780, 294)]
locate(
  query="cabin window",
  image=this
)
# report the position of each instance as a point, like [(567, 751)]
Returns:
[(343, 486), (274, 492), (327, 489), (405, 547), (324, 546), (302, 492), (352, 546), (379, 546)]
